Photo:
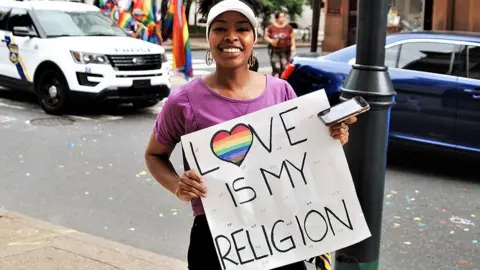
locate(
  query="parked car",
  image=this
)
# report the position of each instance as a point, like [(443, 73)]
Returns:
[(64, 51), (437, 79)]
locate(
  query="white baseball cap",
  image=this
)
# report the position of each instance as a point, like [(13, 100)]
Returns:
[(138, 11), (233, 5)]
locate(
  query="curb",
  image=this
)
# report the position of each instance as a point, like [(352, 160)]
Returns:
[(96, 248)]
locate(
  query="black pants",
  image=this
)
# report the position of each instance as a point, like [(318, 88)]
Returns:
[(202, 254)]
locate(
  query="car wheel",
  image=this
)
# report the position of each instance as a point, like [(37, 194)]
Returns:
[(144, 104), (52, 91)]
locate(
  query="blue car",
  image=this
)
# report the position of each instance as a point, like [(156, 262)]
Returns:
[(437, 79)]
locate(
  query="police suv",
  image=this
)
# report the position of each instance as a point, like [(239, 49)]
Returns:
[(64, 51)]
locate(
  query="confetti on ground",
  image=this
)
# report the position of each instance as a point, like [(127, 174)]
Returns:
[(69, 144), (396, 217), (416, 191), (110, 164), (394, 192), (27, 174), (444, 210), (407, 208), (174, 213), (421, 224), (462, 221), (466, 229), (442, 222), (396, 225), (452, 232), (474, 242), (110, 198), (417, 219), (132, 229), (61, 166), (407, 243), (87, 173), (463, 261), (160, 215), (388, 203), (142, 173), (86, 193), (148, 179), (472, 215), (105, 228), (99, 167), (389, 196), (20, 156)]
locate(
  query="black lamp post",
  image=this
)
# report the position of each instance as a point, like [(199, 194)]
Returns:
[(367, 149)]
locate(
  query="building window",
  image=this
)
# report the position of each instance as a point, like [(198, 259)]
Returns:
[(430, 57)]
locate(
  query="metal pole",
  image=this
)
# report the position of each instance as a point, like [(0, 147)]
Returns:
[(315, 25), (196, 9), (367, 149)]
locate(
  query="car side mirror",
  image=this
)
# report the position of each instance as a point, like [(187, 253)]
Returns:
[(23, 31)]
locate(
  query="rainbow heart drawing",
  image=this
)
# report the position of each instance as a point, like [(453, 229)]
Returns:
[(232, 146)]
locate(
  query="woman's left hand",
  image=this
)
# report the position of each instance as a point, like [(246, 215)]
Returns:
[(340, 131)]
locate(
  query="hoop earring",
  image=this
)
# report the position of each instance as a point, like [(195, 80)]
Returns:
[(251, 59), (209, 58)]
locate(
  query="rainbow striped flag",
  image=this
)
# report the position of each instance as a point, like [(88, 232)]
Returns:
[(176, 25), (124, 19)]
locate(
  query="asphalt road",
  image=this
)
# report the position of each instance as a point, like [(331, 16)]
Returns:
[(90, 175)]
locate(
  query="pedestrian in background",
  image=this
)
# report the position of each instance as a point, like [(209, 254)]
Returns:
[(281, 39), (137, 29), (231, 91)]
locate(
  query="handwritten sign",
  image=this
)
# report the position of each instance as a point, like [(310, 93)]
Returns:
[(279, 187)]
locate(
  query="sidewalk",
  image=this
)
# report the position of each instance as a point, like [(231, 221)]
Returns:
[(199, 44), (27, 243)]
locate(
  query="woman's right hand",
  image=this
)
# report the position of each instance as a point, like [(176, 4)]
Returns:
[(190, 186)]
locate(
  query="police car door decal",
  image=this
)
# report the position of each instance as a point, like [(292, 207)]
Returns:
[(15, 58)]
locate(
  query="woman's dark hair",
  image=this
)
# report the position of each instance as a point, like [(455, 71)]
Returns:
[(205, 6), (278, 13)]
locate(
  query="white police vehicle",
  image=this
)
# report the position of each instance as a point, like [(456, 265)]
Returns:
[(65, 52)]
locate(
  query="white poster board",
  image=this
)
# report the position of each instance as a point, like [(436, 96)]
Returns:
[(279, 187)]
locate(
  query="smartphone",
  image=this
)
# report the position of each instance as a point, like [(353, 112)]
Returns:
[(344, 110)]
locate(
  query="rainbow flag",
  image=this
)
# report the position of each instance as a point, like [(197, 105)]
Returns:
[(176, 24), (124, 19)]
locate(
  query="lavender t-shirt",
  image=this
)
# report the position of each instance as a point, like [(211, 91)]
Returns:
[(195, 106)]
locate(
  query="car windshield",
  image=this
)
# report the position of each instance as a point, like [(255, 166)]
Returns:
[(57, 23)]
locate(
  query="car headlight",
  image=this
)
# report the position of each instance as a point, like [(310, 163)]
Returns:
[(89, 58), (164, 58)]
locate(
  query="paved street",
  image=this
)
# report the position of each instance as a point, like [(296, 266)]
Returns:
[(87, 172)]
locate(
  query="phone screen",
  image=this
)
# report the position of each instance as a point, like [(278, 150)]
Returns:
[(341, 110)]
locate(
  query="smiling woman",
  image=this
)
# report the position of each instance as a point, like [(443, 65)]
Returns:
[(231, 91)]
